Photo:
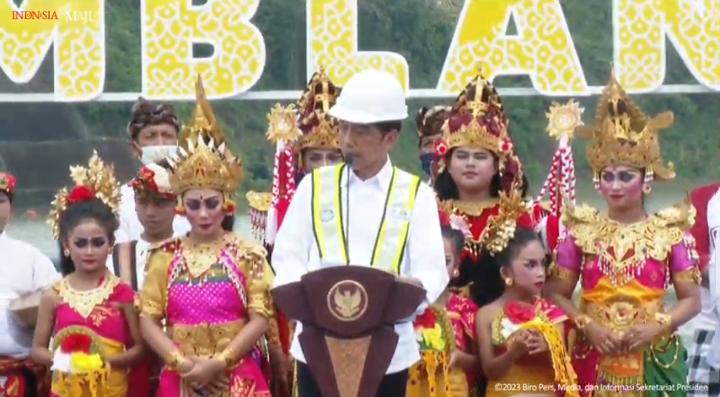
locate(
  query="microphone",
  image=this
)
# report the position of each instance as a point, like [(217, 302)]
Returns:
[(348, 166)]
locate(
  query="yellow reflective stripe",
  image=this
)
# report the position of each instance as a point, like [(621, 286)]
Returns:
[(339, 213), (392, 237), (327, 215), (380, 239), (406, 226), (317, 223)]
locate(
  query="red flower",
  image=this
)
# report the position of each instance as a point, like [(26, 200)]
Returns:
[(7, 182), (426, 320), (76, 343), (518, 312), (80, 194), (506, 146), (441, 148)]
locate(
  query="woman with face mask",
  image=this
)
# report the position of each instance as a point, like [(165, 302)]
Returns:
[(627, 260), (153, 130), (210, 288)]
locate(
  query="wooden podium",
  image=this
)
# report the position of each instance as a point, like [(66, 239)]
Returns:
[(348, 315)]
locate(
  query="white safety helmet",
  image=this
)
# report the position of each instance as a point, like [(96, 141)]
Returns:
[(370, 96)]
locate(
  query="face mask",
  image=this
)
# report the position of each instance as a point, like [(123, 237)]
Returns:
[(151, 154), (426, 162)]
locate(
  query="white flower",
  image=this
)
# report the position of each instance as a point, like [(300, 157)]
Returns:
[(161, 178)]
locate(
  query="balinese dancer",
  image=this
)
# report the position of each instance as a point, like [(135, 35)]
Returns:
[(627, 260), (89, 313), (209, 288), (449, 364), (480, 185), (522, 345), (306, 138), (24, 272)]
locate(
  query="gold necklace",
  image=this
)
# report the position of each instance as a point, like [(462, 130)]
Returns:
[(472, 208), (199, 257), (84, 302)]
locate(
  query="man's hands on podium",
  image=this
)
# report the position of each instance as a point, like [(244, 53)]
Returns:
[(410, 280)]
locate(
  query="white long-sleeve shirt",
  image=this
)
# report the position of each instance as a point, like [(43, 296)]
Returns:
[(23, 269), (295, 252)]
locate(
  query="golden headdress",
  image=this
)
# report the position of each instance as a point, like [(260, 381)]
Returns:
[(623, 135), (203, 159), (96, 181), (477, 119), (306, 124)]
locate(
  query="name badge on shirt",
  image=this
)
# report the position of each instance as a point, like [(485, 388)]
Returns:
[(399, 212), (327, 215)]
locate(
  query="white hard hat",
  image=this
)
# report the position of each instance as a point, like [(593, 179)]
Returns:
[(369, 97)]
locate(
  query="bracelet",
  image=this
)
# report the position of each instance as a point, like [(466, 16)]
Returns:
[(664, 320), (581, 321), (174, 359), (227, 356)]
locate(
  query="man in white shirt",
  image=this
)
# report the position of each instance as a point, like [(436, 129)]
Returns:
[(704, 358), (23, 270), (370, 110), (153, 130)]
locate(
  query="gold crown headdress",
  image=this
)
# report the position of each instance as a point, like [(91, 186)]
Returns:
[(203, 159), (307, 122), (623, 135), (94, 181), (478, 119)]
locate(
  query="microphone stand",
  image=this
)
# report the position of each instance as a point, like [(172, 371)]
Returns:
[(348, 166)]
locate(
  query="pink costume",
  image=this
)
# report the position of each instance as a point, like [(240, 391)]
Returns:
[(96, 313), (205, 309), (625, 271)]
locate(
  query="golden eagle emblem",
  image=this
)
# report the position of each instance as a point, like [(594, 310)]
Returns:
[(347, 300)]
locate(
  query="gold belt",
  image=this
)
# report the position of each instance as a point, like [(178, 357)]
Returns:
[(621, 313), (204, 340)]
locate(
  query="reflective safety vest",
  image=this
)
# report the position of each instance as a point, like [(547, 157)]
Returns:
[(328, 225)]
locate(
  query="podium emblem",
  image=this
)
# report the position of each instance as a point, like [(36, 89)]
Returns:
[(347, 300)]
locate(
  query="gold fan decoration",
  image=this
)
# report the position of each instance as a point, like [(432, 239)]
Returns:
[(98, 177), (564, 119), (282, 124)]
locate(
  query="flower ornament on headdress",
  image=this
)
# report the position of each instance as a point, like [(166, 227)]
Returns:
[(477, 119), (94, 181), (7, 182), (623, 135), (203, 159), (153, 180)]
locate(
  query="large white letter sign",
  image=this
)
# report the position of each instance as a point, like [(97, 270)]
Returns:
[(542, 47), (332, 35), (693, 26), (171, 27), (77, 30)]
